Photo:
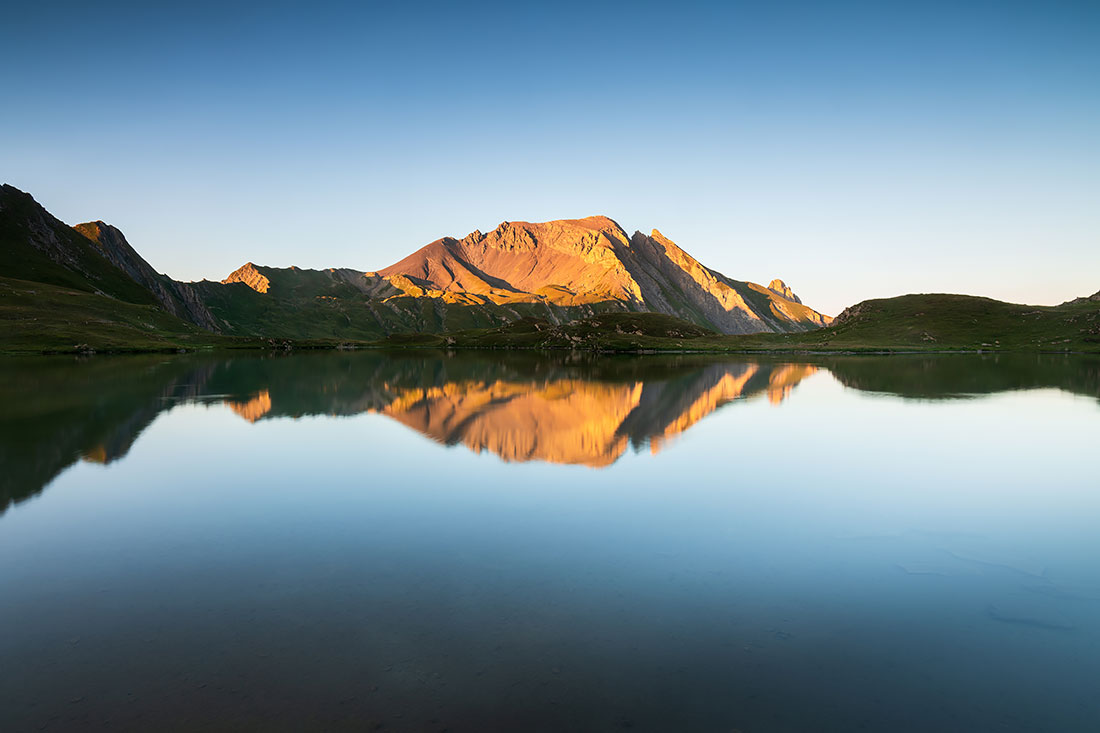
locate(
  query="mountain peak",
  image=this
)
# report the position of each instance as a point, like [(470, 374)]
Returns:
[(780, 287), (598, 223), (250, 276), (592, 263), (100, 231)]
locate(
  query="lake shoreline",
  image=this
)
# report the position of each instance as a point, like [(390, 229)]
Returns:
[(293, 346)]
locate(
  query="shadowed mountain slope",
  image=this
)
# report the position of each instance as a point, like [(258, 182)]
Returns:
[(179, 299), (38, 247), (59, 289)]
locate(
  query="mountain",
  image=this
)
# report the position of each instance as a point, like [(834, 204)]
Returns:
[(559, 271), (60, 290), (593, 262), (576, 283), (944, 321), (179, 299), (38, 247)]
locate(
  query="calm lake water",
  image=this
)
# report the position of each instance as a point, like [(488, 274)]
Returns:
[(475, 542)]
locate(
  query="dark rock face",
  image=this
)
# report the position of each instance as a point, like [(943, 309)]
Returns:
[(179, 299)]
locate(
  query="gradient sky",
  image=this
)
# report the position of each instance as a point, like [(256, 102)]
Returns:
[(854, 149)]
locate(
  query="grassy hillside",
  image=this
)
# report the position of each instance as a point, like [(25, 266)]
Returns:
[(933, 322), (36, 316), (310, 304), (610, 331), (906, 323)]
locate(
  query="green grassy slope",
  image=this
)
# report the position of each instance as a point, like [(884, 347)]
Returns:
[(951, 322), (310, 304), (36, 316), (907, 323), (609, 331)]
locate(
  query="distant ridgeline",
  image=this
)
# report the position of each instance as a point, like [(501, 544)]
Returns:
[(575, 284), (558, 271)]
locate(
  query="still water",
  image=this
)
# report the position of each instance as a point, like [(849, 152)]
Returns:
[(477, 542)]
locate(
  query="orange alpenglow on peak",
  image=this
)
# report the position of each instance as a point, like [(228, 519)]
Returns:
[(250, 276), (778, 286), (593, 262)]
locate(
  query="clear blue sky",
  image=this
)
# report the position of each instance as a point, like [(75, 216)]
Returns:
[(855, 149)]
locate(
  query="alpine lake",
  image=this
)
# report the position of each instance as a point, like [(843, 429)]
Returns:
[(481, 541)]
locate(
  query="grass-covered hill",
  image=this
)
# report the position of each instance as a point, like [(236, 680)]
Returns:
[(39, 317), (906, 323), (951, 322)]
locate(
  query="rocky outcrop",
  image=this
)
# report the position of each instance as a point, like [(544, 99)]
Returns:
[(250, 276), (1094, 298), (779, 287), (42, 227)]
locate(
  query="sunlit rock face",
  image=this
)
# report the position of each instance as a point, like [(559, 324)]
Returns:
[(250, 276), (780, 287)]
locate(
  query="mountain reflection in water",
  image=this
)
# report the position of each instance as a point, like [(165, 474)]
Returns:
[(558, 418), (563, 408)]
